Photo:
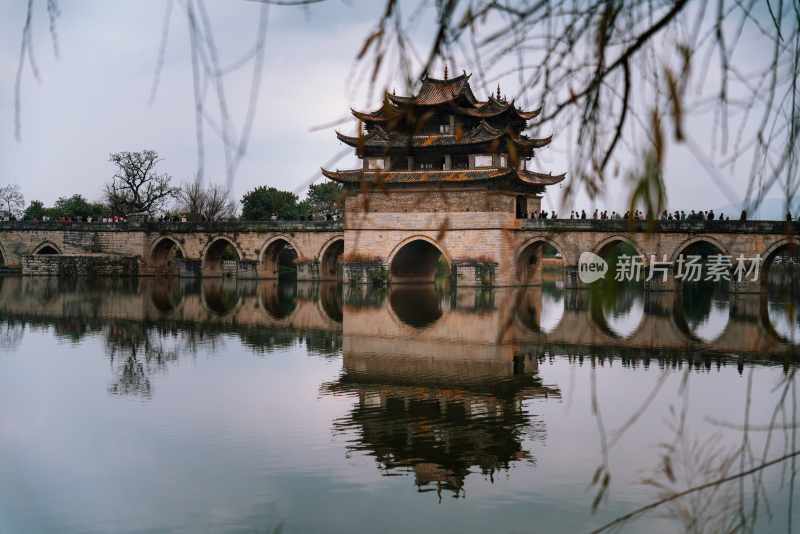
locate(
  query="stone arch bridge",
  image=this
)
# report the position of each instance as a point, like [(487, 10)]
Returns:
[(501, 252), (245, 250)]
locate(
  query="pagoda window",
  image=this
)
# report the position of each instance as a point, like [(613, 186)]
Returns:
[(429, 163), (521, 207), (376, 164), (503, 161), (483, 160), (460, 161), (399, 163)]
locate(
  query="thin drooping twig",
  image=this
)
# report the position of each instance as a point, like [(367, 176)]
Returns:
[(695, 489)]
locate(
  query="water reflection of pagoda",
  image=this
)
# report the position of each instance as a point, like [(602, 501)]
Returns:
[(440, 419)]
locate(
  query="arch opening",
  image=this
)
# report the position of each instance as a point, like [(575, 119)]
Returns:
[(781, 268), (221, 259), (279, 260), (331, 262), (539, 262), (695, 262), (419, 261), (617, 299), (47, 250), (166, 256)]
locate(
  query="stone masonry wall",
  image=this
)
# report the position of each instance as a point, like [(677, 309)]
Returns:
[(80, 266)]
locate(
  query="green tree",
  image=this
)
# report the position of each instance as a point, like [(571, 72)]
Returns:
[(263, 202), (35, 210), (325, 200), (77, 206)]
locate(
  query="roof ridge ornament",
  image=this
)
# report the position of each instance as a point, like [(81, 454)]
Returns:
[(445, 71)]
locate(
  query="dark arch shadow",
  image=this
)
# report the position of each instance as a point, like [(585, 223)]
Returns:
[(47, 250), (419, 306), (165, 255), (330, 263), (781, 269), (221, 258), (279, 260), (531, 259), (418, 261)]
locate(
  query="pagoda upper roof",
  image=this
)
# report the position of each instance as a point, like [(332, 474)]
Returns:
[(442, 176), (483, 132), (455, 92), (435, 91)]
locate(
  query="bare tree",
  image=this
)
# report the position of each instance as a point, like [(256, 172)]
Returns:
[(618, 79), (191, 200), (12, 199), (206, 204), (218, 204), (137, 187)]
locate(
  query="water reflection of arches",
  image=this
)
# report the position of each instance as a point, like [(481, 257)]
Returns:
[(331, 299), (166, 294), (46, 248), (330, 260), (541, 309), (2, 256), (221, 297), (781, 263), (531, 258), (415, 260), (164, 256), (278, 258), (278, 300), (702, 312), (619, 312), (221, 256), (418, 307), (781, 316)]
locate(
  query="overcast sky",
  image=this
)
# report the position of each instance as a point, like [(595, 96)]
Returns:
[(93, 100)]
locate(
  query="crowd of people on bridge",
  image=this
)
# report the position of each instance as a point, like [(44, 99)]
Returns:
[(638, 215)]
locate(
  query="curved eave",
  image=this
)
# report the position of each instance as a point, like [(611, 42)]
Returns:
[(533, 143), (539, 178), (350, 140), (341, 176), (499, 108), (377, 116)]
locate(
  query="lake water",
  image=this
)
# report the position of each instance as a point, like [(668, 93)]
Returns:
[(186, 406)]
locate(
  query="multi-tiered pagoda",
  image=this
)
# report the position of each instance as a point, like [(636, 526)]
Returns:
[(444, 136)]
